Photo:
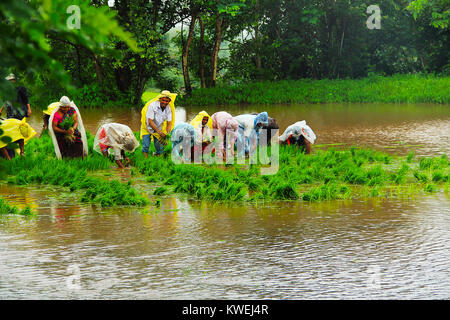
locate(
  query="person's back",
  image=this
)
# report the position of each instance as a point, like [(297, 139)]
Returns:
[(19, 108)]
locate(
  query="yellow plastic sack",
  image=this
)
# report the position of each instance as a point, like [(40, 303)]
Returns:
[(51, 107), (198, 120), (16, 130), (144, 130)]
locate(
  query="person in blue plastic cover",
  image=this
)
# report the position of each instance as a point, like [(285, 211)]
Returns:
[(249, 129), (300, 135)]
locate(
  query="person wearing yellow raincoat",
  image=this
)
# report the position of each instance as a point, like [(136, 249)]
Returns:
[(202, 124), (157, 121), (13, 130), (47, 113)]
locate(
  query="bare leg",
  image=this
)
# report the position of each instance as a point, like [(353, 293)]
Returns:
[(119, 164), (5, 153), (22, 147), (127, 160), (307, 146)]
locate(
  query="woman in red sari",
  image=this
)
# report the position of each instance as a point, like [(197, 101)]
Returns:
[(67, 133)]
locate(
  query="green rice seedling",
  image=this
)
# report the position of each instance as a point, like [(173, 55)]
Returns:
[(5, 208), (430, 187), (375, 192), (421, 177), (345, 192), (410, 157), (240, 195), (158, 203), (438, 176), (171, 180), (160, 191), (253, 185), (355, 176), (285, 191), (425, 163)]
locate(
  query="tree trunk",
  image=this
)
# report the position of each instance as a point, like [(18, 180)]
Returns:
[(186, 46), (200, 54), (98, 70), (215, 53)]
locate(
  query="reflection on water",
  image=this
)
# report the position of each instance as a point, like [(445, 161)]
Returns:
[(378, 249), (394, 128), (189, 249)]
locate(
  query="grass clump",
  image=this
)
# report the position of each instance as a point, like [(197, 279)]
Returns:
[(5, 208)]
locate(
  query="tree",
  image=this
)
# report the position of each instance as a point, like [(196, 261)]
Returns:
[(25, 46)]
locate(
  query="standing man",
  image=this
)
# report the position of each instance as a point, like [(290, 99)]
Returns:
[(157, 112), (20, 108)]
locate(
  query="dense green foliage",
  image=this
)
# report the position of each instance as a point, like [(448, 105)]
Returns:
[(406, 89), (120, 51), (29, 27)]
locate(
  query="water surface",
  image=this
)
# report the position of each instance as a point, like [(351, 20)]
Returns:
[(375, 249)]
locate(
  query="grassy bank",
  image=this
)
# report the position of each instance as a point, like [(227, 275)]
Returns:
[(395, 89)]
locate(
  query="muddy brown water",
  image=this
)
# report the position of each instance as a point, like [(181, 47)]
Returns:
[(375, 249)]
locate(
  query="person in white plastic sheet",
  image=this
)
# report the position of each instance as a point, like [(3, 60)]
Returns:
[(300, 135), (67, 130), (184, 136), (249, 129), (115, 138)]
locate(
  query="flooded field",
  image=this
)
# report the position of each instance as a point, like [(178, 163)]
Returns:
[(184, 249)]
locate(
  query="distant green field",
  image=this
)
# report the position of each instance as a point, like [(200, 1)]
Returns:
[(394, 89), (148, 95)]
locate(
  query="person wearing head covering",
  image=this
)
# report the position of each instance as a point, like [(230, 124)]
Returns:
[(18, 131), (202, 124), (157, 120), (249, 129), (47, 113), (183, 135), (67, 130), (300, 135), (271, 125), (115, 138), (20, 108), (224, 123)]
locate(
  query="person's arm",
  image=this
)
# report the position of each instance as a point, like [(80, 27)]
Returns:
[(29, 110), (169, 120), (75, 124), (58, 129), (154, 127)]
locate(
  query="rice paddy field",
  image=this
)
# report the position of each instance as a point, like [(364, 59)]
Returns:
[(370, 202)]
